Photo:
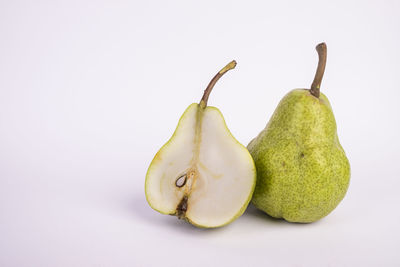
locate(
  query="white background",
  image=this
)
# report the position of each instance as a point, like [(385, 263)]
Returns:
[(90, 90)]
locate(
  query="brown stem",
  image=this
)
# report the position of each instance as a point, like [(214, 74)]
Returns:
[(316, 84), (231, 65)]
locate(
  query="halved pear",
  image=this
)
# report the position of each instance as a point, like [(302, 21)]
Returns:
[(202, 174)]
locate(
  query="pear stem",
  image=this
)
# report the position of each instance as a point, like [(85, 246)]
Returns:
[(207, 91), (316, 84)]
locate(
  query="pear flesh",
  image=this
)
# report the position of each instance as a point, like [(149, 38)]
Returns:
[(302, 170), (202, 174)]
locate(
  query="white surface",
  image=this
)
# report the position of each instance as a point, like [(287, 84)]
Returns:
[(89, 91)]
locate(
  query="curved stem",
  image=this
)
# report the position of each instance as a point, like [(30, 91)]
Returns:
[(316, 84), (231, 65)]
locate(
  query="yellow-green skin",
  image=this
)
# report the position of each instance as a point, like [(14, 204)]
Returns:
[(302, 170)]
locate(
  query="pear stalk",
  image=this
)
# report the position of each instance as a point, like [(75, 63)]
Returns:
[(207, 91), (316, 84)]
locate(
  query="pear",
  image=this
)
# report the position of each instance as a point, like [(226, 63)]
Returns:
[(302, 170), (202, 174)]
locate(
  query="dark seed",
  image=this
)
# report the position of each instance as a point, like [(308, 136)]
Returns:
[(181, 181)]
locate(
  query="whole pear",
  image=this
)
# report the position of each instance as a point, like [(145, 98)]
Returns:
[(302, 170)]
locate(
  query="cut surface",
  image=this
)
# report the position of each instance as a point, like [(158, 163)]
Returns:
[(202, 174)]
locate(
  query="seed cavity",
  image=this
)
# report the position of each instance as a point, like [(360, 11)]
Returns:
[(181, 181)]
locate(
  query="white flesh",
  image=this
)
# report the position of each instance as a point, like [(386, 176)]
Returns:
[(220, 173)]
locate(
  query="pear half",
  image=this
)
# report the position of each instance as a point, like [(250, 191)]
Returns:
[(202, 174)]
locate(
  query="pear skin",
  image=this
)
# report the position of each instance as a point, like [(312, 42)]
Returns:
[(302, 170)]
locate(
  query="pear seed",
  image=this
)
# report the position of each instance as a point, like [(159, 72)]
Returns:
[(181, 181)]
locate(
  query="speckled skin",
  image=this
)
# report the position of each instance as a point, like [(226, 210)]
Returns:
[(302, 170)]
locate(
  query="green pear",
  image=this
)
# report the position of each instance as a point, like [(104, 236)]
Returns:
[(302, 170), (202, 174)]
